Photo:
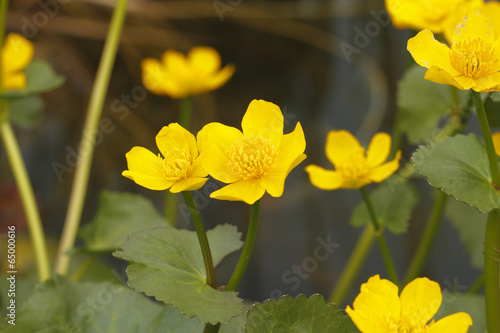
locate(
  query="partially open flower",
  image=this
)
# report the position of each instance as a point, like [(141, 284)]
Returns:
[(179, 76), (178, 168), (353, 168), (17, 53)]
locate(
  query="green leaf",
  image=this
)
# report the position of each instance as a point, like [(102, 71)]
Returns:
[(119, 214), (26, 112), (423, 103), (459, 166), (393, 202), (454, 301), (40, 78), (300, 314), (167, 263), (492, 108), (59, 305), (471, 227), (495, 96)]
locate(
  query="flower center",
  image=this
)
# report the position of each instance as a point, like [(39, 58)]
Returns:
[(473, 58), (251, 156), (415, 323), (354, 166), (175, 165)]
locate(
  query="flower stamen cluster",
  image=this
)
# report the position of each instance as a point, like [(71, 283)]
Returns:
[(251, 156), (473, 58), (176, 165)]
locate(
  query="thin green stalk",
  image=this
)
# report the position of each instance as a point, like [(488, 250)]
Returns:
[(86, 151), (476, 285), (379, 233), (242, 264), (170, 209), (354, 263), (185, 112), (27, 198), (491, 271), (202, 237), (430, 232), (488, 140), (83, 268), (492, 237)]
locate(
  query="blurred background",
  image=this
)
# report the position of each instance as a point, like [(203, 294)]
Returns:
[(328, 64)]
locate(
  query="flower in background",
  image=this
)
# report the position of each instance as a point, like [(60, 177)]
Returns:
[(179, 76), (379, 309), (473, 60), (17, 53), (496, 142), (425, 14), (353, 168), (178, 170), (254, 161)]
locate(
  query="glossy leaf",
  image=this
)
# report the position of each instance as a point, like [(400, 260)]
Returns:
[(459, 166), (300, 314), (393, 202), (167, 263), (119, 214)]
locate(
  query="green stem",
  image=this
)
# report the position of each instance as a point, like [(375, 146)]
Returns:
[(170, 209), (354, 263), (202, 238), (83, 268), (491, 270), (428, 237), (379, 233), (488, 140), (242, 264), (185, 112), (80, 182), (27, 198)]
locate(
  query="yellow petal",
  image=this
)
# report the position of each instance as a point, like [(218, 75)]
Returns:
[(354, 184), (188, 184), (156, 78), (340, 145), (206, 60), (455, 323), (248, 191), (17, 53), (496, 142), (439, 75), (176, 63), (141, 169), (492, 11), (174, 136), (385, 170), (379, 149), (457, 15), (377, 301), (14, 81), (290, 154), (487, 83), (324, 179), (219, 78), (474, 25), (264, 119), (428, 52), (214, 141), (420, 300)]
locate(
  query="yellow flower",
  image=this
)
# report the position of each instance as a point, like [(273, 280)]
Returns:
[(379, 309), (17, 53), (353, 168), (179, 76), (424, 14), (255, 161), (496, 142), (179, 169), (473, 60)]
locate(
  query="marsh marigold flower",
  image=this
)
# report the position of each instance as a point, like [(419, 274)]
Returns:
[(254, 161), (353, 168), (473, 62), (425, 14), (379, 309), (17, 53), (179, 76), (178, 168)]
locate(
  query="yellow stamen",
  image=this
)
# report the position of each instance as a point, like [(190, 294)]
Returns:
[(354, 166), (473, 58), (175, 165), (251, 156)]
